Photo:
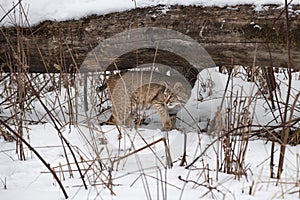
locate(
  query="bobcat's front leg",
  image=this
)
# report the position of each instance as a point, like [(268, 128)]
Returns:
[(173, 120), (162, 109)]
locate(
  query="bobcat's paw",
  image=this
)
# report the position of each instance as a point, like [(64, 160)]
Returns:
[(167, 126)]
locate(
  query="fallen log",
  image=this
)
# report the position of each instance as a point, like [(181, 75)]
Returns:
[(237, 35)]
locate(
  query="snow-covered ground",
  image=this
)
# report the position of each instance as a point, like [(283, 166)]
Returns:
[(40, 10), (144, 175)]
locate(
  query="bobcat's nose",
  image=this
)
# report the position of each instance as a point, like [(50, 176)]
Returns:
[(170, 106)]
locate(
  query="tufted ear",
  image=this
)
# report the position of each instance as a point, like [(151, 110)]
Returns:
[(166, 84), (167, 88), (177, 86)]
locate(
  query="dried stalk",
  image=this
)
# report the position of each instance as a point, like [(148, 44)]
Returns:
[(285, 129)]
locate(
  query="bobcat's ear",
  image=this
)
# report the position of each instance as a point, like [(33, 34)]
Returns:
[(166, 84), (167, 88), (177, 86)]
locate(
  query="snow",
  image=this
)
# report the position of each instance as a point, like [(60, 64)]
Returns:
[(40, 10), (144, 175)]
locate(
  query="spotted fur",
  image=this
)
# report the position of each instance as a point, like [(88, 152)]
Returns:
[(134, 92)]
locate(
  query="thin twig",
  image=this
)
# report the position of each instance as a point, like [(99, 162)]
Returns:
[(7, 13)]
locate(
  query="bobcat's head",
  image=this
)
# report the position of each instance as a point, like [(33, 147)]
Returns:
[(176, 96)]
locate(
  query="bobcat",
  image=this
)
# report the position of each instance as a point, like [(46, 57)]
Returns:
[(135, 91)]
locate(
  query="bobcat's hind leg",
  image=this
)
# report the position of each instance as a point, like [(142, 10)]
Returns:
[(110, 121)]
